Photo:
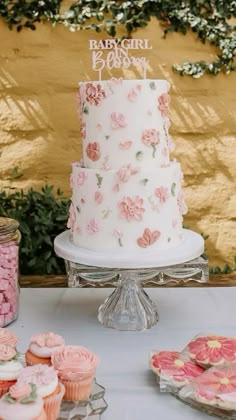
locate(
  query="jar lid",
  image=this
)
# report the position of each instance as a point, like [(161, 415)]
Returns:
[(9, 230)]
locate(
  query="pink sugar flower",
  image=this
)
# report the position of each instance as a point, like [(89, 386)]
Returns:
[(148, 238), (72, 216), (131, 208), (125, 173), (92, 227), (163, 104), (98, 197), (151, 138), (118, 120), (93, 151), (94, 93), (162, 194), (125, 145), (81, 178), (181, 202), (214, 383), (83, 130)]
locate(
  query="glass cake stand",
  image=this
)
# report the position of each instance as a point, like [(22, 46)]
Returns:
[(129, 307)]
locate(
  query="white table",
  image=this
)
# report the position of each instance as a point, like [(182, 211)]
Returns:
[(131, 389)]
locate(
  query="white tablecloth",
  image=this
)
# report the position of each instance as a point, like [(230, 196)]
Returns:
[(131, 389)]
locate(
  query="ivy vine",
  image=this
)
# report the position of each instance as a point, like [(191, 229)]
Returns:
[(211, 20)]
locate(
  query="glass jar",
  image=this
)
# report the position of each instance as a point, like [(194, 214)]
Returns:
[(9, 270)]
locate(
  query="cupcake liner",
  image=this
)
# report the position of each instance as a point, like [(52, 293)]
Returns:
[(41, 416), (52, 403), (78, 391)]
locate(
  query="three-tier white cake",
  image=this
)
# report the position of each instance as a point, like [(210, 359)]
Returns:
[(126, 193)]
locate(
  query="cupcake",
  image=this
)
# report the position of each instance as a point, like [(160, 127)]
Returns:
[(46, 380), (76, 367), (41, 348), (8, 338), (22, 403), (10, 368)]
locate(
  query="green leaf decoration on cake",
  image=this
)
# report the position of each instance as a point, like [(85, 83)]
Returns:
[(139, 155), (8, 398), (152, 85), (99, 180), (85, 109), (144, 181), (173, 186), (78, 209)]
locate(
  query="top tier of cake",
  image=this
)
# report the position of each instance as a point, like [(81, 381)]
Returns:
[(124, 122)]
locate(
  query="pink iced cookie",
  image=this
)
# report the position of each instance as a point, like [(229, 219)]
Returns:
[(172, 368), (212, 350), (217, 387), (43, 345)]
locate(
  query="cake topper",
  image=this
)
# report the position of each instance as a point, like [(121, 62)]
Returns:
[(115, 54)]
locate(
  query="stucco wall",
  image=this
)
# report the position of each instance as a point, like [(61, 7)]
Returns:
[(39, 129)]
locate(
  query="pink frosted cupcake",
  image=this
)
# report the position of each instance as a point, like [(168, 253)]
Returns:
[(8, 338), (22, 403), (10, 368), (46, 380), (41, 348), (76, 368)]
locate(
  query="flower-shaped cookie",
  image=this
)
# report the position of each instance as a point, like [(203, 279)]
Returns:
[(169, 366), (212, 350), (216, 387)]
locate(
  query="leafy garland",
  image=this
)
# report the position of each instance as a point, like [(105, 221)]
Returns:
[(209, 19)]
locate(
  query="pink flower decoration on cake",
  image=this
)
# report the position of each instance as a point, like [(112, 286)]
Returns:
[(125, 173), (94, 93), (117, 81), (92, 227), (125, 145), (72, 216), (148, 238), (162, 194), (81, 178), (163, 104), (6, 353), (213, 350), (151, 138), (37, 374), (98, 197), (7, 337), (131, 208), (170, 363), (20, 391), (118, 120), (181, 202), (93, 151), (83, 130)]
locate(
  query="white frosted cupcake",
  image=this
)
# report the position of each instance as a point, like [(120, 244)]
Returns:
[(48, 387), (22, 403), (10, 368), (76, 366), (41, 348)]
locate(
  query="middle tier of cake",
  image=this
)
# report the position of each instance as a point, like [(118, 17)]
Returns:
[(131, 209)]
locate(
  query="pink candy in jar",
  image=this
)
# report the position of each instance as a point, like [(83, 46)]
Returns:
[(9, 270)]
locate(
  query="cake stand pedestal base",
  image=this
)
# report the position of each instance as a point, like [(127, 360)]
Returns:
[(129, 307)]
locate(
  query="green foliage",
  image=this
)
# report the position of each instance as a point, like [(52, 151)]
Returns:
[(42, 216), (209, 19)]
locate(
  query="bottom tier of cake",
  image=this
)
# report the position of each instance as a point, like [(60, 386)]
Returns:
[(127, 210)]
